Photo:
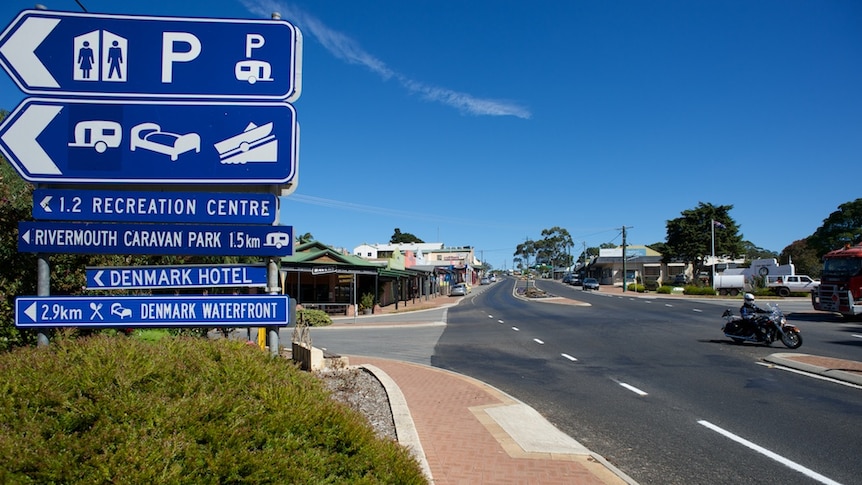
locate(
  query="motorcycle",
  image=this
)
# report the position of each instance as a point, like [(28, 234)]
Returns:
[(773, 326)]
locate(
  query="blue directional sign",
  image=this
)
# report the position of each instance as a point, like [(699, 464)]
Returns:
[(153, 311), (135, 206), (68, 53), (187, 276), (88, 141), (155, 239)]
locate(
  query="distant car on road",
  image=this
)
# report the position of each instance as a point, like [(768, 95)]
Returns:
[(485, 281), (459, 289), (591, 284)]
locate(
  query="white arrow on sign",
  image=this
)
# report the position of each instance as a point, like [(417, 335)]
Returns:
[(26, 236), (31, 311), (46, 203), (98, 277), (21, 139), (20, 51)]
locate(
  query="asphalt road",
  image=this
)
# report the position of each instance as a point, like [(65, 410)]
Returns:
[(650, 384)]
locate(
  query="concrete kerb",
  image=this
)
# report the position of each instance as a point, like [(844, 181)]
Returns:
[(405, 428), (551, 299), (786, 359)]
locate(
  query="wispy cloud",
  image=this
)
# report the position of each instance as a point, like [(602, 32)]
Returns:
[(348, 50), (393, 213)]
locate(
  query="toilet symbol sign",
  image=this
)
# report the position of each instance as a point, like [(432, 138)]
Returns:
[(126, 56), (99, 56)]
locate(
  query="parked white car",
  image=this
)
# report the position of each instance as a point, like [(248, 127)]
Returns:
[(458, 289)]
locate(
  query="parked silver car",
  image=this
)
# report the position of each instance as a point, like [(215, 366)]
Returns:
[(591, 284), (458, 289)]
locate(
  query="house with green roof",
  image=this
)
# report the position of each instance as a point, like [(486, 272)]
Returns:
[(319, 276)]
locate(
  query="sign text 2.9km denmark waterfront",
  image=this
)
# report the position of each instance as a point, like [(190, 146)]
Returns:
[(156, 239), (152, 311)]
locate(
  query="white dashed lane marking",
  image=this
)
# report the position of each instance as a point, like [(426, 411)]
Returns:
[(775, 456), (633, 389)]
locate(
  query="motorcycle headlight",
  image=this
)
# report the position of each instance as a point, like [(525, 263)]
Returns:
[(783, 320)]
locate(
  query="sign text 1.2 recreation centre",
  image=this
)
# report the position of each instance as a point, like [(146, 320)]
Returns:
[(138, 206)]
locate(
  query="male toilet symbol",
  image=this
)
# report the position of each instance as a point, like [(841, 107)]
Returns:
[(115, 59)]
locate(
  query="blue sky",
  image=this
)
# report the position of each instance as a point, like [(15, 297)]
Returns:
[(482, 123)]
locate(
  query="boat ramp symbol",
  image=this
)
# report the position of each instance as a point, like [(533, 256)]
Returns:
[(254, 144)]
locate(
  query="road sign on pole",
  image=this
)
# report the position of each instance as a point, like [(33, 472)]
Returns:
[(155, 239), (186, 276), (152, 311), (129, 56), (158, 142), (137, 206)]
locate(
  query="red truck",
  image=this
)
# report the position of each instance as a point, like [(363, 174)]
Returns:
[(840, 288)]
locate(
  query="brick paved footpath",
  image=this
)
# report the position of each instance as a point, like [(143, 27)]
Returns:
[(464, 445)]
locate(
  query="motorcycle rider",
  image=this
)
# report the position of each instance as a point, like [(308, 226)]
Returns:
[(749, 311)]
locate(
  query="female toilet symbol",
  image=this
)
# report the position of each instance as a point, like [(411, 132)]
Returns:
[(85, 59)]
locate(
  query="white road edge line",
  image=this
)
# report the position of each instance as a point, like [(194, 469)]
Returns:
[(857, 336), (567, 356), (697, 310), (809, 374), (516, 329), (499, 321), (633, 389), (538, 341), (775, 456)]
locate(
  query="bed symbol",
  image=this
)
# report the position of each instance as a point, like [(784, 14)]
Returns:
[(98, 134), (149, 136), (255, 144)]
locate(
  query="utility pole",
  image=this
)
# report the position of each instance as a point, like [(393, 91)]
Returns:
[(624, 256)]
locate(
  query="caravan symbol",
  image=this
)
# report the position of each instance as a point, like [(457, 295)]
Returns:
[(277, 239), (98, 134), (252, 71)]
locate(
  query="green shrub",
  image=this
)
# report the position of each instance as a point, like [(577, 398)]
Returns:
[(123, 410), (639, 288), (664, 289), (651, 285), (699, 290), (314, 318)]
